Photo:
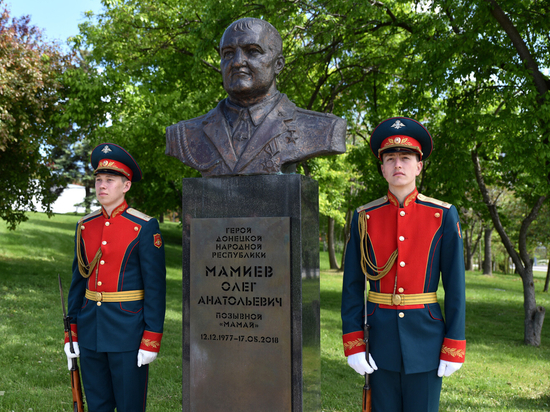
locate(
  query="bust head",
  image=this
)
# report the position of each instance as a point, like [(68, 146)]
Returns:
[(251, 58)]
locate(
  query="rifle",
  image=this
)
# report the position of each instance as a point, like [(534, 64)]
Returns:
[(367, 403), (78, 401)]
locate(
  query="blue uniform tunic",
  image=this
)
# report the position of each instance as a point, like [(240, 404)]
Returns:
[(132, 261), (427, 236)]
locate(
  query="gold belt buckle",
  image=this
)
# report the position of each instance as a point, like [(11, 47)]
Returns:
[(99, 297), (396, 300)]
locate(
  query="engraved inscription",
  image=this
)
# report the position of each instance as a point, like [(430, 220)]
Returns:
[(240, 314)]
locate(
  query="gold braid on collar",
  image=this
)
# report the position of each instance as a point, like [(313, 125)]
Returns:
[(365, 259), (84, 269)]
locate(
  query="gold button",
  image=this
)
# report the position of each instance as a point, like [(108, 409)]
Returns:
[(104, 242), (401, 290), (99, 283), (107, 223), (103, 262), (401, 314), (402, 213), (136, 228), (98, 303), (402, 264), (437, 215), (83, 227), (401, 238)]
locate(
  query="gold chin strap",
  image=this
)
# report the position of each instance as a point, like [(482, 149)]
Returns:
[(365, 259), (85, 270)]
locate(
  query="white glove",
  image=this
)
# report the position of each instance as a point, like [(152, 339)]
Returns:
[(145, 357), (447, 368), (71, 356), (358, 362)]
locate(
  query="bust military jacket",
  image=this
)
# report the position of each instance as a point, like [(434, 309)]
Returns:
[(287, 135), (121, 305), (426, 234)]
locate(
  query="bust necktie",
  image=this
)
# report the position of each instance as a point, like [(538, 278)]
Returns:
[(241, 134)]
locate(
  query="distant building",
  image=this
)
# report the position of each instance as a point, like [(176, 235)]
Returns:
[(65, 203)]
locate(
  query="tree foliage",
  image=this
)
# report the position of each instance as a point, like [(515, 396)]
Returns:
[(31, 102), (497, 106), (471, 71), (158, 64)]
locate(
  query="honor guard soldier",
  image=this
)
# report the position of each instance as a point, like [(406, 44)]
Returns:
[(402, 244), (117, 299)]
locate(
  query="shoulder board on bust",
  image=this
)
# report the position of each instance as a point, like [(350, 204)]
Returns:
[(441, 203), (318, 114), (138, 214), (93, 214), (374, 203)]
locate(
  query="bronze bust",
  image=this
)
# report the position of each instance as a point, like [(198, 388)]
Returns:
[(256, 129)]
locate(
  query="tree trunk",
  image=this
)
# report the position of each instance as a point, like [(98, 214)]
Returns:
[(479, 259), (87, 193), (472, 243), (487, 263), (468, 248), (349, 215), (534, 315), (330, 241), (506, 265), (547, 277)]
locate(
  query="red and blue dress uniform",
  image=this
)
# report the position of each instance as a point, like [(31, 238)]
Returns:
[(406, 335), (120, 306)]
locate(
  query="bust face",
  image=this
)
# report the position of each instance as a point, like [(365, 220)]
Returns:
[(249, 64)]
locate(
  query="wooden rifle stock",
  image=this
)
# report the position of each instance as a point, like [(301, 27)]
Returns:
[(78, 402), (76, 387), (367, 402)]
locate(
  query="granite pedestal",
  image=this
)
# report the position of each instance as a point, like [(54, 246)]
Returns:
[(251, 300)]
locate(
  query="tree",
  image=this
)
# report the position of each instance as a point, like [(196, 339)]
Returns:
[(336, 176), (538, 232), (460, 67), (31, 102), (487, 256), (486, 63), (159, 65), (472, 228)]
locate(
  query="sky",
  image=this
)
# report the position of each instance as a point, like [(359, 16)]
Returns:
[(58, 19)]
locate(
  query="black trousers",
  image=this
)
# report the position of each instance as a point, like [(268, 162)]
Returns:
[(113, 380), (398, 392)]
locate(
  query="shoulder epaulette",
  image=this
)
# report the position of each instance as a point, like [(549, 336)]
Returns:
[(94, 213), (441, 203), (374, 203), (138, 214), (313, 113)]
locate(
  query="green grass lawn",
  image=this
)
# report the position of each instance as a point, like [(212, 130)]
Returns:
[(34, 369), (500, 374)]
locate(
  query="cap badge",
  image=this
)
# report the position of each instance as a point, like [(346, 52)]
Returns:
[(397, 140), (398, 125), (105, 163), (107, 149)]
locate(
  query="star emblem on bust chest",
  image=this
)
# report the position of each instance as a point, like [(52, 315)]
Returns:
[(291, 136)]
